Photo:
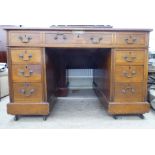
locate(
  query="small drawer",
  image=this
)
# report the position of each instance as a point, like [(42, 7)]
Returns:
[(24, 56), (25, 38), (27, 92), (129, 56), (131, 39), (129, 73), (26, 73), (59, 37), (98, 38), (128, 92)]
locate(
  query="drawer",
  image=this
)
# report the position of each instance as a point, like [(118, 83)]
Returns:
[(24, 56), (59, 37), (27, 92), (128, 92), (25, 38), (26, 73), (79, 37), (98, 38), (129, 73), (130, 56), (131, 39)]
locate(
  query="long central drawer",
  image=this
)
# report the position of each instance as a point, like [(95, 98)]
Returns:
[(79, 37)]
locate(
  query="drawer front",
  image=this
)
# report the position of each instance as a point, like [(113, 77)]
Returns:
[(26, 73), (98, 38), (131, 39), (79, 37), (125, 92), (24, 56), (27, 92), (129, 57), (59, 38), (129, 73), (25, 38)]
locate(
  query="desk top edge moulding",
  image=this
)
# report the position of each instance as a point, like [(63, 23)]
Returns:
[(79, 27), (37, 57)]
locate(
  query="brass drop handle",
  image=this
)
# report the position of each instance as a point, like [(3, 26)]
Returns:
[(21, 72), (25, 56), (129, 75), (25, 38), (129, 58), (26, 72), (26, 92), (60, 34), (96, 40), (130, 40), (21, 55), (128, 89)]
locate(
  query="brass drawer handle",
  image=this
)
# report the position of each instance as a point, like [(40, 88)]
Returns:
[(128, 89), (60, 34), (129, 58), (25, 38), (130, 40), (25, 56), (26, 92), (96, 40), (129, 75), (26, 72)]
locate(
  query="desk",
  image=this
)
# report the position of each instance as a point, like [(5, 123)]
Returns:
[(38, 59)]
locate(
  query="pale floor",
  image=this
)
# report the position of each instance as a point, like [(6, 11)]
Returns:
[(78, 111)]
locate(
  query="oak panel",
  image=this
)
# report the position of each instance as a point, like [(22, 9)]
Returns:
[(28, 92), (116, 108), (28, 108), (26, 73), (129, 73), (25, 38), (129, 92), (131, 39), (26, 55), (99, 38), (59, 37), (130, 57)]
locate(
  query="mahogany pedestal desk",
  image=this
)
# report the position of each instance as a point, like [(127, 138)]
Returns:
[(39, 57)]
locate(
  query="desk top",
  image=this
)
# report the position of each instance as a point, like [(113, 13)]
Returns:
[(80, 27)]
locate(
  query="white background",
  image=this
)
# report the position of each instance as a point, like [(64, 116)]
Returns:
[(43, 13)]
